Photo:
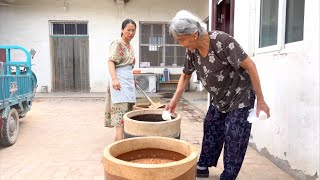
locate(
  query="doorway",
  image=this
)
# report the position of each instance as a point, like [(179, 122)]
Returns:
[(223, 16), (70, 58)]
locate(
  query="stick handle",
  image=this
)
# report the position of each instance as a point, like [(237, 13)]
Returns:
[(144, 94)]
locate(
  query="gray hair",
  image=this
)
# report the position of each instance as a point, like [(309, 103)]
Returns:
[(186, 23)]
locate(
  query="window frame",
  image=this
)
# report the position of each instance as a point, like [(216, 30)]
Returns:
[(163, 45), (64, 23), (281, 31)]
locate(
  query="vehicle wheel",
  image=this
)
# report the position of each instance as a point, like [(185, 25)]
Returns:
[(10, 128)]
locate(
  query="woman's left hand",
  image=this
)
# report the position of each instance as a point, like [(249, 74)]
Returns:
[(262, 106)]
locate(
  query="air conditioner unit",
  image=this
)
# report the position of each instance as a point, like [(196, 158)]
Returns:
[(147, 82)]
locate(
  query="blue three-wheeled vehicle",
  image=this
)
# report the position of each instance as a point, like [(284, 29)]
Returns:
[(17, 89)]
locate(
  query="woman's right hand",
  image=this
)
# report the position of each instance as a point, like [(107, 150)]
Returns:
[(116, 84), (171, 106)]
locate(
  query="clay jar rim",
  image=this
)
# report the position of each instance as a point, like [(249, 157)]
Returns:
[(127, 116), (192, 153), (146, 106)]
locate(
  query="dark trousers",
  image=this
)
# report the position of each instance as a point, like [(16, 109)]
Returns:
[(231, 129)]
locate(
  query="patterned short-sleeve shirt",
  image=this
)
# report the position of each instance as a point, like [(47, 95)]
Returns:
[(121, 54), (221, 74)]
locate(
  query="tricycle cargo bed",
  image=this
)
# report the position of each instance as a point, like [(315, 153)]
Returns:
[(15, 89)]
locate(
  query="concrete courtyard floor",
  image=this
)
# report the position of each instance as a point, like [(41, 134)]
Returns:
[(63, 137)]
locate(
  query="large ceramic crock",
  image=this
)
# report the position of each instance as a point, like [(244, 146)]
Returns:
[(149, 122), (182, 168)]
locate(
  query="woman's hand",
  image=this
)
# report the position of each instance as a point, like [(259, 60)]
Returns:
[(262, 106), (183, 80), (250, 66), (116, 84), (171, 106)]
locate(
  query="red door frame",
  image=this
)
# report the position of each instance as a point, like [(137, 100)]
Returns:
[(2, 55)]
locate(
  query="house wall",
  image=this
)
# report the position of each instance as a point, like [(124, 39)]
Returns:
[(27, 24), (290, 83)]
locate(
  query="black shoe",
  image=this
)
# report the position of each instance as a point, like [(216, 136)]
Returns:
[(203, 173)]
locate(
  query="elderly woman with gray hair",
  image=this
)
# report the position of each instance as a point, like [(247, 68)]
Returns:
[(232, 80)]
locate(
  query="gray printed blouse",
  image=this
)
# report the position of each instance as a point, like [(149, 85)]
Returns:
[(221, 74)]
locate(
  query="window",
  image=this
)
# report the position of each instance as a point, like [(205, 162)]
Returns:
[(294, 20), (268, 23), (280, 22), (69, 28), (158, 47)]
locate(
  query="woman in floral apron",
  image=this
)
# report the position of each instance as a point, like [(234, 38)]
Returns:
[(121, 94)]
